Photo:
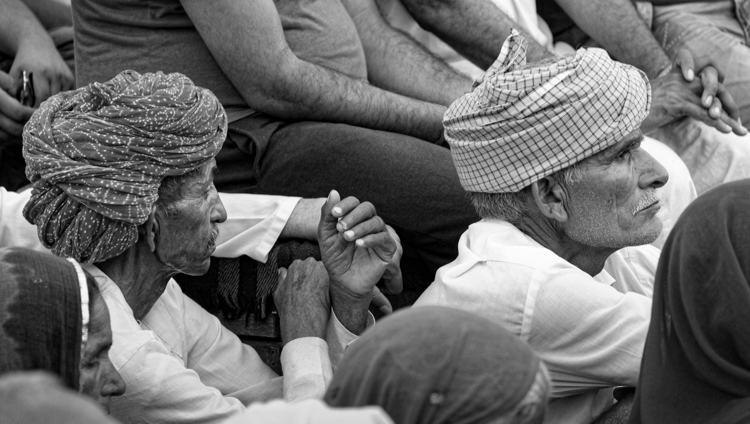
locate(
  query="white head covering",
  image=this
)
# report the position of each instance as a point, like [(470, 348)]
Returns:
[(518, 126)]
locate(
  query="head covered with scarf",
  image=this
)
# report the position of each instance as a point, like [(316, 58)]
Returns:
[(696, 361), (441, 365), (97, 156), (44, 313), (522, 123)]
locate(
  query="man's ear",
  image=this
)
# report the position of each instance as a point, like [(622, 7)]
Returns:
[(551, 198), (151, 229)]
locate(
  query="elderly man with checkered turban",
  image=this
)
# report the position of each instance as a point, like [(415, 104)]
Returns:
[(123, 175), (551, 157)]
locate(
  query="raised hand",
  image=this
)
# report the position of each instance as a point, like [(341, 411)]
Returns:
[(356, 248), (39, 56), (302, 299)]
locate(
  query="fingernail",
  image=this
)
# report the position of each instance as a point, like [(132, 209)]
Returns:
[(359, 242), (336, 210), (350, 234), (343, 225), (690, 75), (708, 101)]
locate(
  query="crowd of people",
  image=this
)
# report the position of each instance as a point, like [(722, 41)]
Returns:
[(572, 173)]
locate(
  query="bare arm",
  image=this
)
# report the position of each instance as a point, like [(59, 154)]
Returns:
[(475, 29), (303, 222), (247, 40), (398, 63), (51, 13), (616, 25)]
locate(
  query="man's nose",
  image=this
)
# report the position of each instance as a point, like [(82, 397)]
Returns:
[(652, 173), (115, 385), (218, 213)]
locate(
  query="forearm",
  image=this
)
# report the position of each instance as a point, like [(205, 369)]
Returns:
[(247, 40), (616, 25), (19, 27), (475, 29), (398, 63), (51, 13), (311, 92), (303, 222), (350, 309)]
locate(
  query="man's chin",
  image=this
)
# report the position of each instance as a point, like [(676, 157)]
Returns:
[(198, 268)]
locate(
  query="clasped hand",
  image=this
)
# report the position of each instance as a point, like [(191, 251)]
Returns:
[(680, 94)]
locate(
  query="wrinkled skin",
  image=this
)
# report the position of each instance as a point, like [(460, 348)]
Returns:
[(614, 203)]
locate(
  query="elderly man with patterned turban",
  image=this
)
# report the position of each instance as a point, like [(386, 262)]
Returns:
[(550, 154), (123, 182)]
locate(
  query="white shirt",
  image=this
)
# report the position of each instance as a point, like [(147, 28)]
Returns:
[(180, 364), (309, 412), (590, 331), (253, 223)]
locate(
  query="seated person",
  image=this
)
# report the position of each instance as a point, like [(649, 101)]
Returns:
[(550, 155), (299, 81), (441, 365), (39, 398), (53, 318), (125, 185), (36, 36), (477, 29), (696, 363)]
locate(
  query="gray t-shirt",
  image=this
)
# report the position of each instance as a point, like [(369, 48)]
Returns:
[(157, 35)]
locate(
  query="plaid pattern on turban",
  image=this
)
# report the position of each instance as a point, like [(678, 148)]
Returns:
[(518, 126), (97, 156)]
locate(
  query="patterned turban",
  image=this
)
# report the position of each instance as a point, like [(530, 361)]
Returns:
[(97, 156), (518, 126)]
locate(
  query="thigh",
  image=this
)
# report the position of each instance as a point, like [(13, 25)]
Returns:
[(713, 35), (412, 183)]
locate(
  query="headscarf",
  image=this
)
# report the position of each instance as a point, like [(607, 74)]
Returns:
[(97, 156), (518, 126), (43, 316), (436, 365), (696, 362)]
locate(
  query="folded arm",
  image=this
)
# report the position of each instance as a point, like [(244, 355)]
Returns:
[(247, 40)]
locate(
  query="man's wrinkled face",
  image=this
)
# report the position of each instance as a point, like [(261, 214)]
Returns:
[(614, 203), (187, 236)]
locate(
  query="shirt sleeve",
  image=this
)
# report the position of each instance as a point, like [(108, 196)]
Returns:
[(589, 334), (254, 223), (15, 231), (339, 337)]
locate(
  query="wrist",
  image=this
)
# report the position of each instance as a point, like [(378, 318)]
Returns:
[(350, 308)]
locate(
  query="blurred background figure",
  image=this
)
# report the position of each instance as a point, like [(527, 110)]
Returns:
[(696, 363), (36, 37), (53, 318), (441, 365), (39, 398)]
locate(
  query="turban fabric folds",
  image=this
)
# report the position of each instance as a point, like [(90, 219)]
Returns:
[(97, 156), (520, 125), (44, 312), (696, 361), (437, 365)]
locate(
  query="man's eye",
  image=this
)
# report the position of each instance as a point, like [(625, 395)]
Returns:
[(624, 155)]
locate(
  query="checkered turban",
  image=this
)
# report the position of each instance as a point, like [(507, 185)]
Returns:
[(518, 126), (97, 156)]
